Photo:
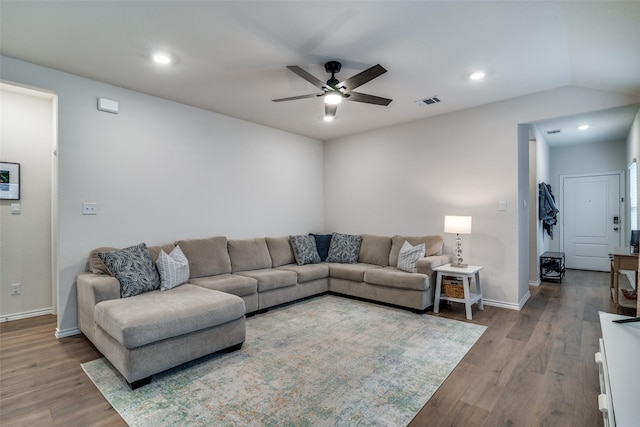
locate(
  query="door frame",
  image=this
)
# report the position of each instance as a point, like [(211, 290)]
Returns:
[(622, 209)]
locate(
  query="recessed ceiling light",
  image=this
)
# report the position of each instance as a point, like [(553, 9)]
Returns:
[(477, 75), (161, 58), (328, 118), (583, 127)]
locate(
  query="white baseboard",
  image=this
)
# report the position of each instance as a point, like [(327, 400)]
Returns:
[(67, 332), (26, 314), (534, 282), (524, 300), (500, 304), (508, 305)]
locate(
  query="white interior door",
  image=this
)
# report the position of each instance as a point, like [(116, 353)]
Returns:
[(591, 206)]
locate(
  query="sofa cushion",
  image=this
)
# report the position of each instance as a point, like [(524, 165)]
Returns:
[(409, 255), (353, 272), (154, 251), (250, 254), (304, 249), (155, 316), (433, 246), (309, 272), (235, 284), (207, 257), (271, 278), (96, 265), (173, 269), (280, 251), (375, 250), (391, 277), (344, 248), (323, 241), (134, 269), (427, 264)]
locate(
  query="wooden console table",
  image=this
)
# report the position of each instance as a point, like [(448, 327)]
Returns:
[(623, 259)]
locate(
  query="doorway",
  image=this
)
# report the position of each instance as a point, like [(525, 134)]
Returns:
[(28, 265), (591, 219)]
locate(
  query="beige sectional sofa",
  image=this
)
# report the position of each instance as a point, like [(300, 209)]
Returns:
[(147, 333)]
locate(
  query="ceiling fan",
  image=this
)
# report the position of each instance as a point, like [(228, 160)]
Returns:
[(334, 91)]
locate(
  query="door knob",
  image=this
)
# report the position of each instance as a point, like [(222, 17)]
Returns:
[(615, 228)]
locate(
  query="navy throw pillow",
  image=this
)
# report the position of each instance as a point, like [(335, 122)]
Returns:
[(323, 241)]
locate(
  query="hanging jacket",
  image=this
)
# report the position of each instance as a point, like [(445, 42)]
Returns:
[(547, 209)]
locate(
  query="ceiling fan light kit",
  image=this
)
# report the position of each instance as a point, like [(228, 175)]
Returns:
[(334, 91), (332, 98)]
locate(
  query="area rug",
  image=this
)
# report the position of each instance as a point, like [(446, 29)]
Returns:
[(328, 361)]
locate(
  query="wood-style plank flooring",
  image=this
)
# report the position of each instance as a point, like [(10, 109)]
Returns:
[(534, 367)]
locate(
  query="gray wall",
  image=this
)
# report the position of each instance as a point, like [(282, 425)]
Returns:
[(162, 171), (404, 179), (607, 156)]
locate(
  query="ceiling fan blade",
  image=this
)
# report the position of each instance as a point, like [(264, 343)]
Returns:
[(330, 110), (368, 99), (363, 77), (293, 98), (308, 77)]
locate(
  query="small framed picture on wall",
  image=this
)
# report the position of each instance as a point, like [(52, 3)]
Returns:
[(9, 181)]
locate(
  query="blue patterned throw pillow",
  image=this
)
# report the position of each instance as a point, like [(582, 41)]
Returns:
[(134, 269), (304, 249), (344, 248)]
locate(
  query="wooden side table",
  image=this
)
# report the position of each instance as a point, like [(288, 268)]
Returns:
[(623, 259), (464, 273)]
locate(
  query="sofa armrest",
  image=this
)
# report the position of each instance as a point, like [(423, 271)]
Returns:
[(427, 264), (92, 289)]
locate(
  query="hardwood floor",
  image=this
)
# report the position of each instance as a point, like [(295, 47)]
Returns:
[(534, 367)]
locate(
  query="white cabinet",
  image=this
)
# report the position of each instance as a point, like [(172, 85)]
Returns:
[(617, 358)]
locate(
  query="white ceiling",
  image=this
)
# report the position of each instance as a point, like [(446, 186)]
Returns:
[(231, 56)]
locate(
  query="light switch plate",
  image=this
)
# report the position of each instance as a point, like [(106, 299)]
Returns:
[(502, 205), (16, 208)]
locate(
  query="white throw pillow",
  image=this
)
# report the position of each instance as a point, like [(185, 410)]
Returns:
[(409, 255), (173, 268)]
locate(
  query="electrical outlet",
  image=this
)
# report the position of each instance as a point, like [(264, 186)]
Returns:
[(16, 289), (89, 208)]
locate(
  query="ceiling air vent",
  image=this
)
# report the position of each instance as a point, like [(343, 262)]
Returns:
[(551, 132), (428, 101)]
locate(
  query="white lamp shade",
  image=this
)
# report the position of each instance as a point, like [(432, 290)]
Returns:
[(457, 224)]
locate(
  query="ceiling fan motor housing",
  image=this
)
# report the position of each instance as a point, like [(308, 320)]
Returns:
[(333, 67)]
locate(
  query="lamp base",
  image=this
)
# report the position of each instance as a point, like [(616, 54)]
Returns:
[(459, 265)]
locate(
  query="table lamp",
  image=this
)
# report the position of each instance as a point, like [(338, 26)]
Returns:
[(458, 225)]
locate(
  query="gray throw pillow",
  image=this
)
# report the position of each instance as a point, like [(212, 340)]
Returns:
[(344, 248), (409, 255), (134, 269), (304, 249), (173, 269)]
